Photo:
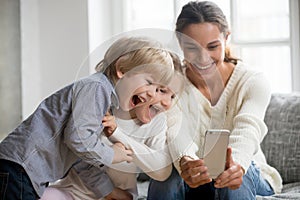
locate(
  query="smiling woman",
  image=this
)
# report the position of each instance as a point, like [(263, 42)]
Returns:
[(229, 96)]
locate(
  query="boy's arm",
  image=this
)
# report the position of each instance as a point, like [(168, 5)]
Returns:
[(90, 102)]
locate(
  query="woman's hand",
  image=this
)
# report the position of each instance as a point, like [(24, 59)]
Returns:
[(232, 177), (194, 172), (118, 194), (109, 124)]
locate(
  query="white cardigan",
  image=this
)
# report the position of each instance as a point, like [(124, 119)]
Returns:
[(240, 109)]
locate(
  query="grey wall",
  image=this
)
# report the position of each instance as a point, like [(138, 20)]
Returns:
[(42, 44), (10, 66), (54, 44)]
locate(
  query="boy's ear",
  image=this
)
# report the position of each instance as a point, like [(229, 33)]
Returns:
[(120, 74)]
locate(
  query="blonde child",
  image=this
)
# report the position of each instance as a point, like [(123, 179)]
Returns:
[(63, 131), (145, 70)]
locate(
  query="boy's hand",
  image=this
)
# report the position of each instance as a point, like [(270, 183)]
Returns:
[(109, 124), (121, 153), (119, 194)]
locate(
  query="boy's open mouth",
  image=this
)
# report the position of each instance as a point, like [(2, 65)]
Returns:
[(136, 99)]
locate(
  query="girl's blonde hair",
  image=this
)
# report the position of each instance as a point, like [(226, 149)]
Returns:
[(138, 55)]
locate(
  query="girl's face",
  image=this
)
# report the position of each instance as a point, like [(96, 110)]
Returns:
[(151, 99), (142, 97), (204, 47)]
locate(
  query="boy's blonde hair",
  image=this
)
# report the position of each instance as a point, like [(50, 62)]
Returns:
[(137, 55)]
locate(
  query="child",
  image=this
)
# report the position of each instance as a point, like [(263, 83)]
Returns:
[(141, 128), (65, 129)]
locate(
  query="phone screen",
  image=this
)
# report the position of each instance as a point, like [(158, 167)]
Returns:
[(215, 148)]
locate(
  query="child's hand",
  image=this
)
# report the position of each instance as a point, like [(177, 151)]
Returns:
[(119, 194), (109, 124), (121, 153)]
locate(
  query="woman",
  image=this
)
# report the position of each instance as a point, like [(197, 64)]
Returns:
[(221, 93)]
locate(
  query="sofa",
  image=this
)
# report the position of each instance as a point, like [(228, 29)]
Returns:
[(281, 145)]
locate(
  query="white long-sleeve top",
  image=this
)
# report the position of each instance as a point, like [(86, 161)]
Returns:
[(151, 155), (148, 143), (240, 109)]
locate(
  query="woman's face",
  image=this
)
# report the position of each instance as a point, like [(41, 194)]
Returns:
[(142, 97), (203, 46)]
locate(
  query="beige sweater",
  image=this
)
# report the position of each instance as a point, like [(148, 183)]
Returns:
[(240, 109)]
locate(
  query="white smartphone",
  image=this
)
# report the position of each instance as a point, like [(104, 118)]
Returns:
[(215, 149)]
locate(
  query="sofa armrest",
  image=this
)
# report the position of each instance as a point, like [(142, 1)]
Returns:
[(282, 143)]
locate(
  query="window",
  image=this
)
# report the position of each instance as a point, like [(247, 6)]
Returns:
[(148, 14), (262, 38), (265, 39)]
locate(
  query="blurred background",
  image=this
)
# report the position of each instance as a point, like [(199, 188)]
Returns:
[(43, 43)]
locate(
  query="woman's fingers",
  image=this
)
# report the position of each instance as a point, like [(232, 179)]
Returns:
[(194, 172), (232, 177)]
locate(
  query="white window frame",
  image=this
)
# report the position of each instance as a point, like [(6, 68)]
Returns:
[(293, 41)]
